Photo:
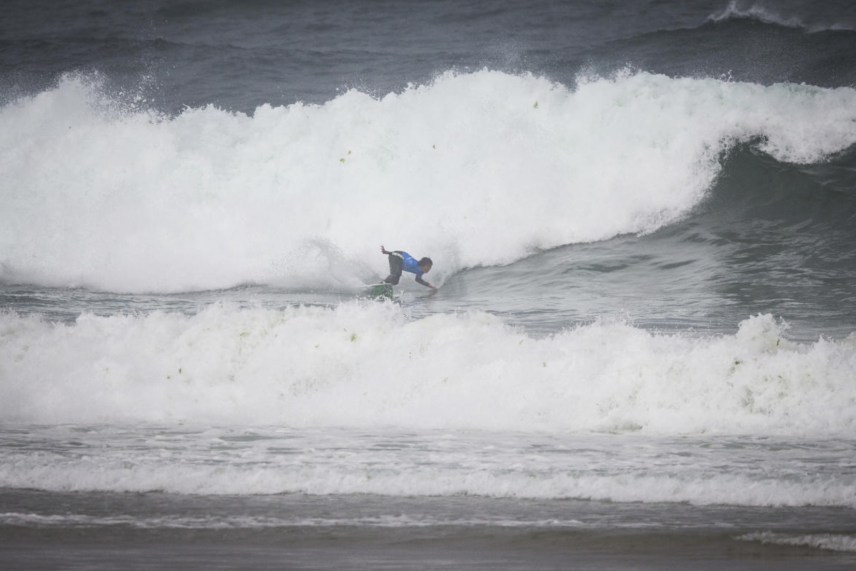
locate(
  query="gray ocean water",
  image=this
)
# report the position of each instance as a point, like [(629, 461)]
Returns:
[(641, 353)]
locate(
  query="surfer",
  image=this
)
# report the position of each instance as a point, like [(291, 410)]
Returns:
[(402, 261)]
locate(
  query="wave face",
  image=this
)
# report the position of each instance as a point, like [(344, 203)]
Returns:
[(487, 167), (370, 366)]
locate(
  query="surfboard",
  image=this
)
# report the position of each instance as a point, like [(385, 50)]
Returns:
[(380, 291)]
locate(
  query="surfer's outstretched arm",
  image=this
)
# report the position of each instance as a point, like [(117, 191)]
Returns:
[(419, 280)]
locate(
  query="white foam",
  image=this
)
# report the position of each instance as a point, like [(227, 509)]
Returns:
[(467, 170), (701, 470), (369, 365), (763, 13), (403, 479), (755, 11), (827, 541), (262, 522)]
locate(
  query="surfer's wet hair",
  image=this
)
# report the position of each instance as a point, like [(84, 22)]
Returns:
[(426, 262)]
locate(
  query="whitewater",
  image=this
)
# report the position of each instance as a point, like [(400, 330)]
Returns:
[(365, 364), (485, 167)]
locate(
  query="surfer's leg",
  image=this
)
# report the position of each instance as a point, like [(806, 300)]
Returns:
[(395, 263)]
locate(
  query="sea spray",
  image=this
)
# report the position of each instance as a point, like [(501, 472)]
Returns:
[(466, 169)]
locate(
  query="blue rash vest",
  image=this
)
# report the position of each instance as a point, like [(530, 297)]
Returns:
[(409, 264)]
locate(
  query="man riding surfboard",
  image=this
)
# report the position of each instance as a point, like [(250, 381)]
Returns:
[(402, 261)]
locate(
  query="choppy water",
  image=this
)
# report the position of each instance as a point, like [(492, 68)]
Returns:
[(641, 218)]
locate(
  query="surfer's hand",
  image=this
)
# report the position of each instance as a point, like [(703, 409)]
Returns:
[(383, 250)]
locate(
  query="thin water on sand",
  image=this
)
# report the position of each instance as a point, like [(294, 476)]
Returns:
[(155, 530)]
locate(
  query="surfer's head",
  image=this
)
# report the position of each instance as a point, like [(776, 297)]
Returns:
[(425, 265)]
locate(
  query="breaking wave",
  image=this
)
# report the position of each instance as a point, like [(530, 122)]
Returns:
[(473, 169)]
